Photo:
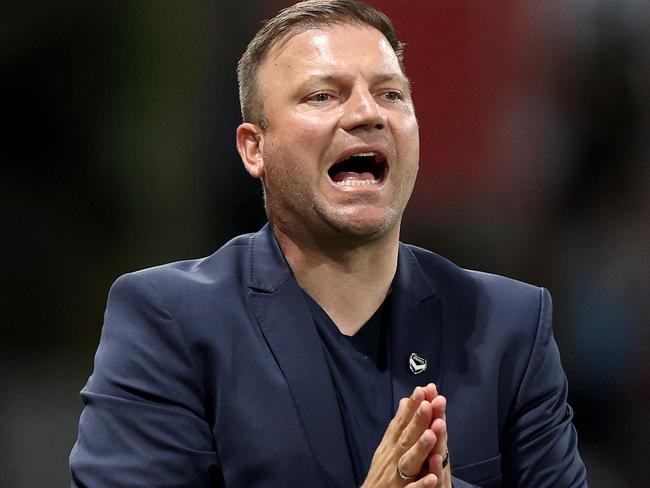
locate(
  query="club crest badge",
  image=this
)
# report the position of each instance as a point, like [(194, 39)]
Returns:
[(417, 364)]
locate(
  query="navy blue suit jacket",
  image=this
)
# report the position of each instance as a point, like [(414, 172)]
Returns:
[(210, 373)]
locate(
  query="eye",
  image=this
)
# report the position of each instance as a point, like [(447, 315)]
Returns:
[(393, 95), (319, 97)]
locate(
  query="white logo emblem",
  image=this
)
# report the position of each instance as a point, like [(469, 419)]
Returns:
[(417, 364)]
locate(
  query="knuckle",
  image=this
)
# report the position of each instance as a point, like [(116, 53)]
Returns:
[(403, 442)]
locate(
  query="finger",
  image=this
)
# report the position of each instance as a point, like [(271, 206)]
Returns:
[(430, 392), (405, 411), (420, 421), (400, 420), (439, 406), (410, 463), (429, 481), (439, 427), (439, 452), (419, 394)]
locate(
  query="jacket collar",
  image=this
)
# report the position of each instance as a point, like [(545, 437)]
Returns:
[(288, 327), (268, 268), (416, 327)]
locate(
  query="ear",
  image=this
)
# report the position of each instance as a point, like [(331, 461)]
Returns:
[(250, 144)]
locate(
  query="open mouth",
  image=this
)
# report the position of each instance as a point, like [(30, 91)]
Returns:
[(364, 168)]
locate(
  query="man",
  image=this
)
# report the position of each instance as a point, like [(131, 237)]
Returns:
[(314, 352)]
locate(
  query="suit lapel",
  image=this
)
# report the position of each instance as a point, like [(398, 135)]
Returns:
[(287, 324), (416, 327)]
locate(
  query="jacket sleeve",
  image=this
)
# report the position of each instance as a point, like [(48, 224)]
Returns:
[(539, 442), (143, 422)]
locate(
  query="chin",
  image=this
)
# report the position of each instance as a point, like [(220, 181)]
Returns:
[(367, 228)]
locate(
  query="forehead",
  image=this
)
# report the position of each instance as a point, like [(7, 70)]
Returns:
[(331, 48)]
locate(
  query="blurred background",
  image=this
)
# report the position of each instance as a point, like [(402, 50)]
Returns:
[(117, 153)]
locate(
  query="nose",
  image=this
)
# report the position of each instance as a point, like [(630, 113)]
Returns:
[(362, 111)]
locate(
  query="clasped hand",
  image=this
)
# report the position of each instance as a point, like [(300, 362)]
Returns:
[(414, 444)]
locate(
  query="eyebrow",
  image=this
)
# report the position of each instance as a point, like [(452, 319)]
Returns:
[(376, 79), (384, 77), (399, 77)]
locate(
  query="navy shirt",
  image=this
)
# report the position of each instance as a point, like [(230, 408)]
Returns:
[(360, 369)]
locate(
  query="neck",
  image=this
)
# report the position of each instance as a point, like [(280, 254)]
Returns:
[(349, 282)]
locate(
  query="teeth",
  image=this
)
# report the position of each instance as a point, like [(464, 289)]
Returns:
[(364, 155), (351, 182)]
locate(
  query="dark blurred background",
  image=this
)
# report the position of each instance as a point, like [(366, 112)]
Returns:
[(117, 153)]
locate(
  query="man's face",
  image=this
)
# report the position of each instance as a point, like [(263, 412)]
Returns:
[(341, 150)]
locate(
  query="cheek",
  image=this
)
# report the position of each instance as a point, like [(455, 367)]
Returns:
[(310, 137), (408, 127), (312, 127), (409, 137)]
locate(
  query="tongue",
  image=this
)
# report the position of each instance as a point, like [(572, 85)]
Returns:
[(349, 175)]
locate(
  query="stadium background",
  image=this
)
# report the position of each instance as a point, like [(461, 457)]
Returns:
[(117, 153)]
